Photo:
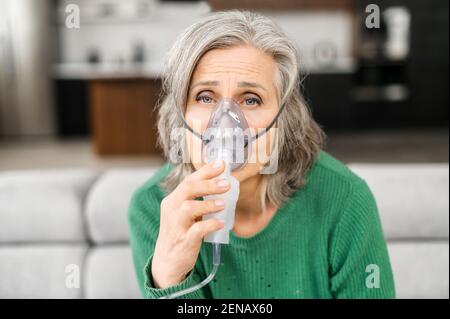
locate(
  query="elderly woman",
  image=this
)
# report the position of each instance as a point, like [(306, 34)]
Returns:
[(307, 229)]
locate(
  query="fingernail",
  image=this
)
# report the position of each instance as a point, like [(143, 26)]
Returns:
[(219, 202), (223, 183), (217, 164)]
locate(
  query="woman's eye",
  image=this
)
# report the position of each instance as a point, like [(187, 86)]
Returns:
[(252, 101), (204, 99)]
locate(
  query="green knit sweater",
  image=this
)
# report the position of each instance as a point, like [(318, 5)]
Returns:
[(326, 241)]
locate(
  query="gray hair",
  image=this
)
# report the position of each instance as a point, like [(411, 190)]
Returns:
[(299, 138)]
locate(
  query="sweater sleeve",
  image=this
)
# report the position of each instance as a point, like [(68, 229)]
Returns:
[(360, 266), (143, 220)]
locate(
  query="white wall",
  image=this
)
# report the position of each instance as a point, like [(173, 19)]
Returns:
[(115, 36)]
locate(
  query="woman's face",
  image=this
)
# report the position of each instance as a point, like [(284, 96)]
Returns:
[(246, 75)]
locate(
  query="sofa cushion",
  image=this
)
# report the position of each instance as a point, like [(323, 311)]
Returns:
[(43, 205), (109, 273), (41, 271), (108, 201), (420, 269), (412, 199)]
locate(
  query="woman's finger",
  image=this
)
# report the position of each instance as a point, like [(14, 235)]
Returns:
[(207, 171), (191, 189), (191, 210), (201, 228)]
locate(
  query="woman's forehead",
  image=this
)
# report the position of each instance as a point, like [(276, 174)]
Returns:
[(237, 66)]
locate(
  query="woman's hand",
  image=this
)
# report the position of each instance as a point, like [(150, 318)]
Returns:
[(182, 229)]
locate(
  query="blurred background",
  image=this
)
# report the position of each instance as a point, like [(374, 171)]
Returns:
[(84, 96), (79, 81)]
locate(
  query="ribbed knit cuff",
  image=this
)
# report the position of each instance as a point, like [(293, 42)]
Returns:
[(156, 293)]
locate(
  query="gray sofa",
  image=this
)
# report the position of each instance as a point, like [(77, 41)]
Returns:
[(64, 233)]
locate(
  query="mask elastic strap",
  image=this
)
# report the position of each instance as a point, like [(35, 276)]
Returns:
[(258, 135), (254, 137), (191, 130)]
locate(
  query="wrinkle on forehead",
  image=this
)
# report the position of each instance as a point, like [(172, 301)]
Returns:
[(242, 63), (228, 65)]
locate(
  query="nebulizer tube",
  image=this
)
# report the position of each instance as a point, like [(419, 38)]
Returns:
[(216, 263)]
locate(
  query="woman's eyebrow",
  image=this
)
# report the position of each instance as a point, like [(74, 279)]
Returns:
[(209, 83), (240, 84), (251, 85)]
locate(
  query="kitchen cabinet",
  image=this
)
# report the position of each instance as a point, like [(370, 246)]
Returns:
[(122, 115)]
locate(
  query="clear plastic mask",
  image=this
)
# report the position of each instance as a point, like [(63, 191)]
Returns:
[(227, 135)]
